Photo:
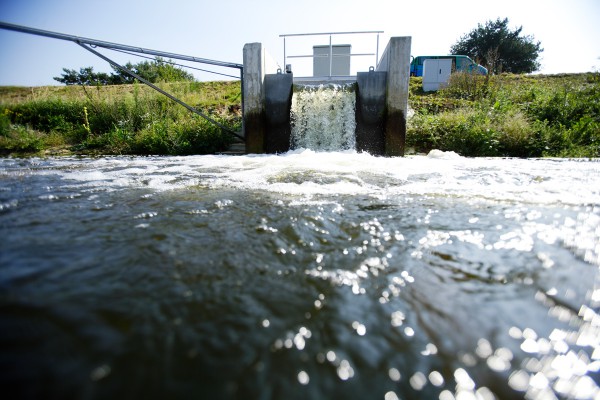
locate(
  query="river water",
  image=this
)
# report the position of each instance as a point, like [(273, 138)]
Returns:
[(307, 275)]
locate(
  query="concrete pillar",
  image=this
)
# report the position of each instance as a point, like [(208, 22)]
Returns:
[(257, 63), (396, 62), (278, 101), (370, 111)]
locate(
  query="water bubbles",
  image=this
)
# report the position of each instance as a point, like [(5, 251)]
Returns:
[(546, 260), (293, 340), (8, 205), (463, 380), (303, 378), (331, 356), (519, 380), (498, 362), (391, 396), (418, 381), (100, 372), (299, 342), (345, 370), (221, 204), (436, 378), (394, 374), (360, 329), (484, 348), (49, 197), (517, 240), (264, 227), (398, 318), (430, 349), (515, 332), (146, 215)]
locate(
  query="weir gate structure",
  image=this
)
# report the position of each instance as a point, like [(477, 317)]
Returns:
[(381, 100)]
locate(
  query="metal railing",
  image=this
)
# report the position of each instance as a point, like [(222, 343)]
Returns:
[(331, 45), (90, 44)]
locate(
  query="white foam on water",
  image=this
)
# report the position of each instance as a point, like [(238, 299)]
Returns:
[(323, 109), (308, 173)]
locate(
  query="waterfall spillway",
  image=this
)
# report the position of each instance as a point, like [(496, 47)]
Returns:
[(323, 118)]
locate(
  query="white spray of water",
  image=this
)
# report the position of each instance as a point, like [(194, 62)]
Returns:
[(323, 118)]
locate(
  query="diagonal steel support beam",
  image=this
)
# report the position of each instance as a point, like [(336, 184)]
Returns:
[(175, 99), (117, 46)]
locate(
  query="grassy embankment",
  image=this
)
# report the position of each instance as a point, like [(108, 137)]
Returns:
[(509, 115), (121, 119), (505, 115)]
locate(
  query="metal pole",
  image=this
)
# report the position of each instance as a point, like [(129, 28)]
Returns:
[(242, 95), (109, 45), (175, 99), (377, 55), (284, 57), (330, 56)]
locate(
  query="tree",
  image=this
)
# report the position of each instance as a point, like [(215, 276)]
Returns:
[(154, 71), (85, 76), (499, 48), (160, 70)]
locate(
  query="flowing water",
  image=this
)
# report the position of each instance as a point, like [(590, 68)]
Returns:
[(308, 275), (318, 109)]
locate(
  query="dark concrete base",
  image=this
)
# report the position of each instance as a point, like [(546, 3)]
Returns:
[(278, 101), (370, 112), (395, 133), (254, 125)]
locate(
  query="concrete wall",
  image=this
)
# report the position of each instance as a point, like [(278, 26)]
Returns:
[(257, 63), (371, 111), (278, 102), (382, 104), (396, 62)]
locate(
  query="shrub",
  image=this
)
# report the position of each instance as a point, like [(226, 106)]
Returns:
[(125, 119), (47, 115), (466, 132), (466, 85), (4, 122), (21, 140), (517, 116), (198, 136)]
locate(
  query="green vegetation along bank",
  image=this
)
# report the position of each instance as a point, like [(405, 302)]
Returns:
[(509, 115), (502, 115), (118, 119)]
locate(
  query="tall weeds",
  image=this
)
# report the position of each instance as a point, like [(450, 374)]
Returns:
[(125, 119), (501, 115), (511, 115)]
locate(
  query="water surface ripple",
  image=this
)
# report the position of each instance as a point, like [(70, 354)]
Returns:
[(306, 275)]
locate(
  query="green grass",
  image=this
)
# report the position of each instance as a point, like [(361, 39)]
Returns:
[(503, 115), (123, 119), (508, 115)]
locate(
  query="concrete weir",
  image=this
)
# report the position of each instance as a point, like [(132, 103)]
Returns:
[(381, 101)]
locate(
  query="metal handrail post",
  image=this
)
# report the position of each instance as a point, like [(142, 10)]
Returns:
[(377, 55), (284, 56), (330, 56)]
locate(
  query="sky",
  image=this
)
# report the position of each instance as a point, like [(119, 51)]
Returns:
[(569, 31)]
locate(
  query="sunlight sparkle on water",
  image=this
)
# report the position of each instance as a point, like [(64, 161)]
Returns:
[(396, 277)]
